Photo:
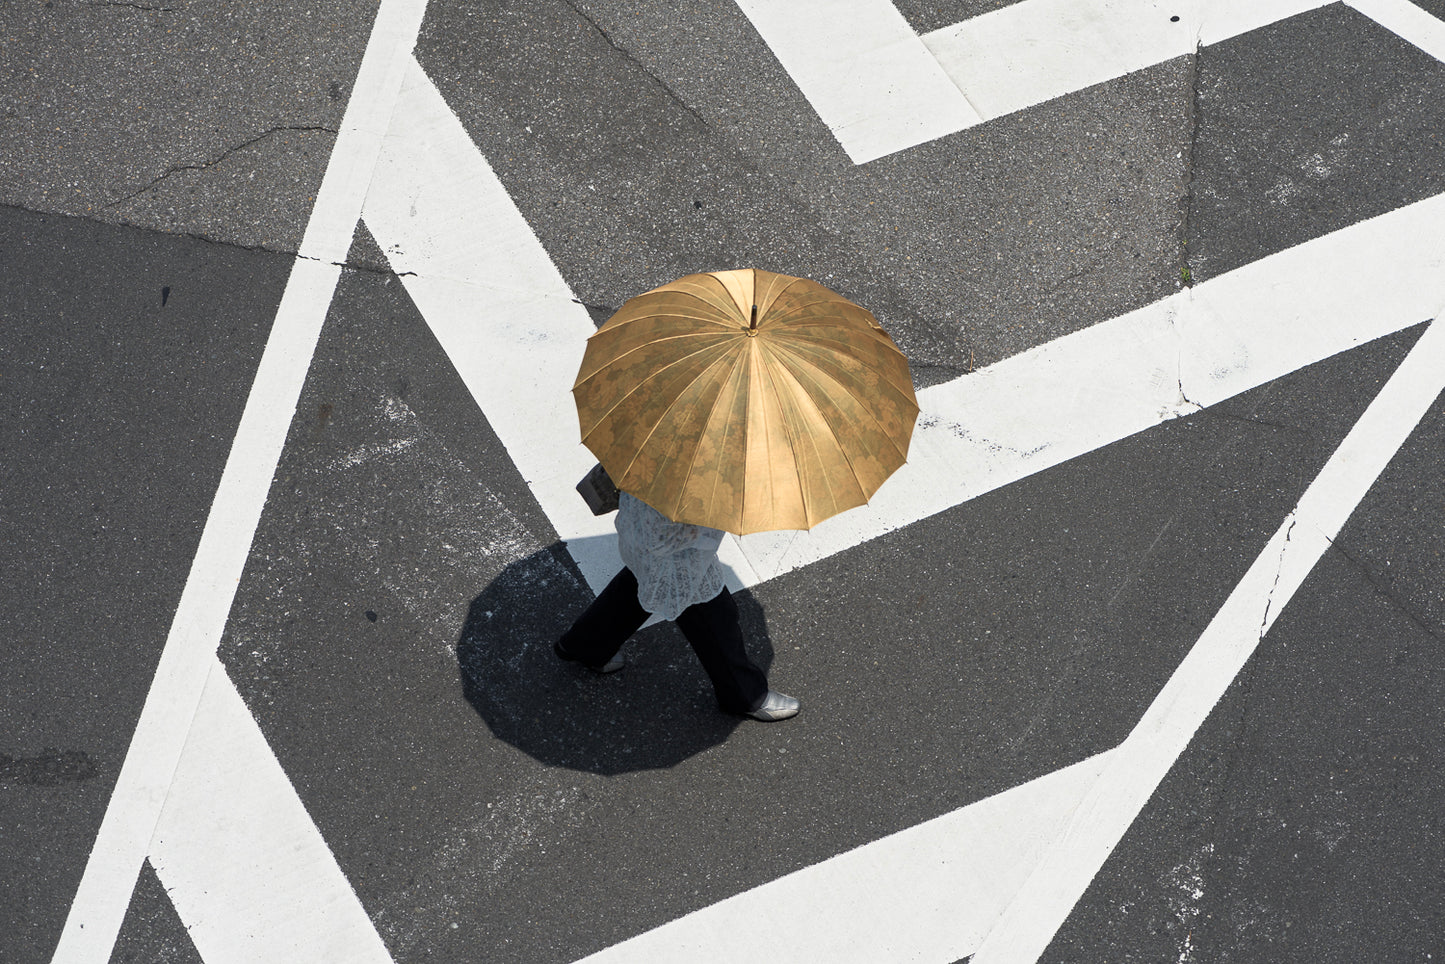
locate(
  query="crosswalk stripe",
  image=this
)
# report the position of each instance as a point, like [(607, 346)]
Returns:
[(507, 320), (864, 70), (994, 880), (1136, 768), (155, 750), (882, 89), (928, 893), (1031, 52), (1407, 21), (495, 301), (509, 323), (502, 312), (248, 872)]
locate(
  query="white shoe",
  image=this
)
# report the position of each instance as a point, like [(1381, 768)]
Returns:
[(775, 706)]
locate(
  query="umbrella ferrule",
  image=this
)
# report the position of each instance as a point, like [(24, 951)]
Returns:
[(753, 325)]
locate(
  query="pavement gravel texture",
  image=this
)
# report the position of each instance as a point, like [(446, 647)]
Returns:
[(129, 354), (642, 146), (1305, 128), (1302, 823), (927, 15), (212, 120), (152, 933), (400, 566), (392, 630)]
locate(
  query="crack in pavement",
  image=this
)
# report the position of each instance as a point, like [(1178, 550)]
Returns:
[(1374, 578), (1253, 420), (1279, 569), (1142, 559), (219, 158), (640, 65), (220, 242)]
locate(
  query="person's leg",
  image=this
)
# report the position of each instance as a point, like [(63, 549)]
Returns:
[(716, 636), (601, 630)]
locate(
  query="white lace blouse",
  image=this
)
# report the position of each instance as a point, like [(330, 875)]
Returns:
[(675, 563)]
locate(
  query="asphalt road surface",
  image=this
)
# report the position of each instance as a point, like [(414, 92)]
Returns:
[(1139, 659)]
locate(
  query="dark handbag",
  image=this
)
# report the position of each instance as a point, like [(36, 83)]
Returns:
[(597, 491)]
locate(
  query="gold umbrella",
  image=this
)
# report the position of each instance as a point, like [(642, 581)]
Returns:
[(745, 400)]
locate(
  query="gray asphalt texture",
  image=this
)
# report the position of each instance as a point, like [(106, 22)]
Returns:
[(186, 118), (638, 154), (1303, 823), (127, 355), (392, 629)]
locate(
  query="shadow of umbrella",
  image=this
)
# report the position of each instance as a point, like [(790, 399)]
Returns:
[(657, 712)]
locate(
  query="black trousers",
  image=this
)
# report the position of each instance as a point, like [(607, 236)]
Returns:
[(711, 627)]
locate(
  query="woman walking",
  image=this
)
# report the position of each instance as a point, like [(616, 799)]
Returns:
[(739, 401), (671, 569)]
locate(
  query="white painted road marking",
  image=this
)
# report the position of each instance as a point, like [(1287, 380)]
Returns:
[(1135, 769), (171, 704), (864, 70), (496, 303), (507, 320), (1194, 349), (1408, 21), (858, 61), (928, 893), (165, 796), (997, 878), (244, 865), (1031, 52), (881, 88)]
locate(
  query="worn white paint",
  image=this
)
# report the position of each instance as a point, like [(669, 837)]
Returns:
[(508, 321), (243, 863), (497, 304), (928, 893), (864, 70), (1195, 348), (1135, 768), (1407, 20), (951, 888), (505, 317), (881, 88), (155, 748), (1031, 52), (978, 432), (146, 776)]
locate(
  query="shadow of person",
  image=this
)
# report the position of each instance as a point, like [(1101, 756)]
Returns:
[(658, 711)]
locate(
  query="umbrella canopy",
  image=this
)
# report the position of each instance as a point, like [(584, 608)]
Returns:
[(745, 401)]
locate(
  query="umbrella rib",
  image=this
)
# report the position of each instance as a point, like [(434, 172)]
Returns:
[(722, 448), (803, 347), (824, 297), (610, 362), (643, 383), (676, 361), (659, 313), (817, 373), (802, 492), (812, 442), (653, 431), (692, 462)]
